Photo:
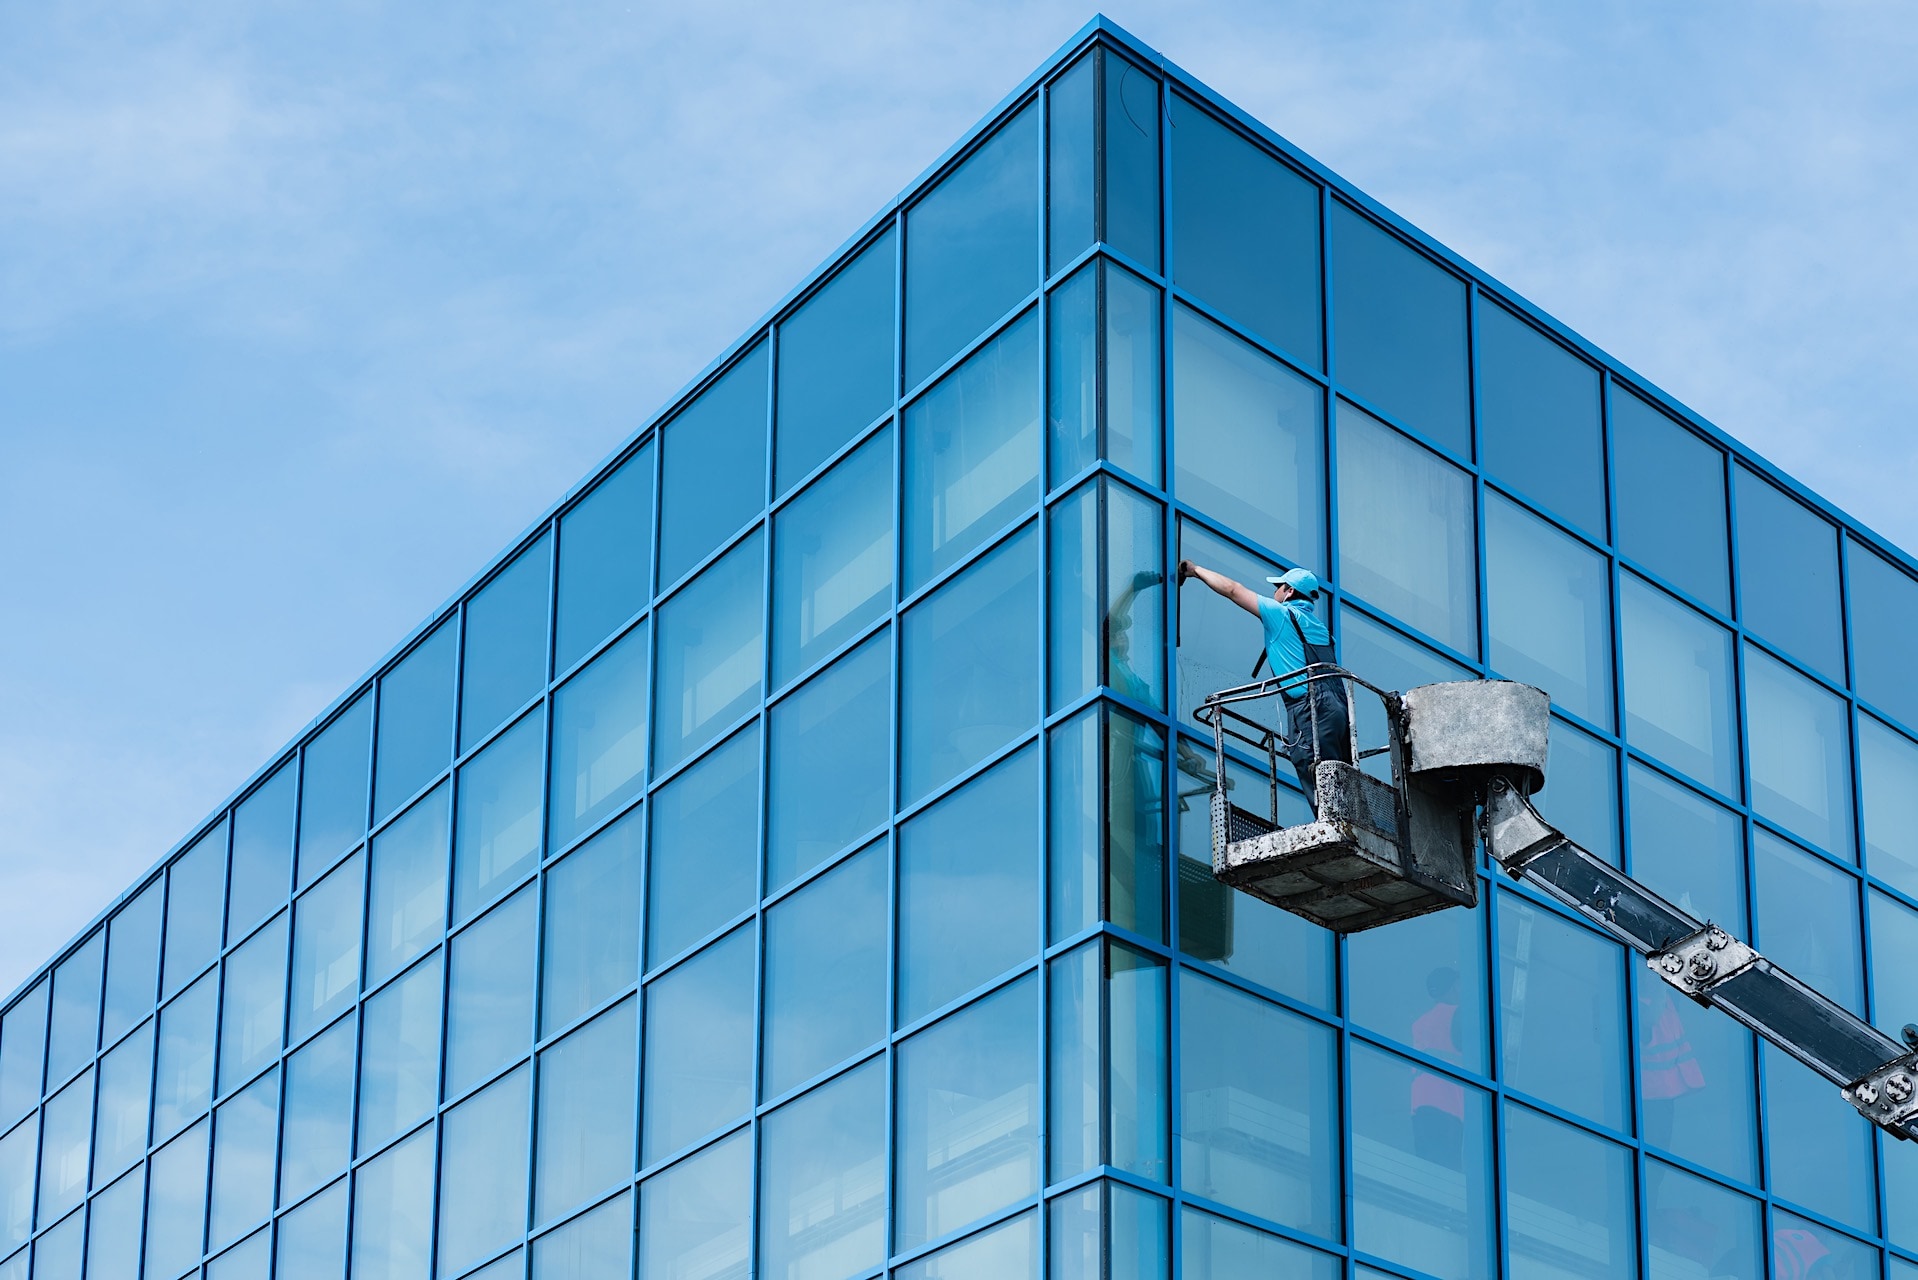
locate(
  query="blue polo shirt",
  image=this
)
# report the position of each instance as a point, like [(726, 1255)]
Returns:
[(1282, 648)]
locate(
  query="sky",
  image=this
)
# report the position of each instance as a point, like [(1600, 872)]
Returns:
[(306, 310)]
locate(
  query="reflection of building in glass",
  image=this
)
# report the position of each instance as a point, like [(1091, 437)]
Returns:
[(790, 858)]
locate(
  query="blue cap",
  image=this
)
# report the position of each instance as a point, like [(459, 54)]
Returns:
[(1303, 581)]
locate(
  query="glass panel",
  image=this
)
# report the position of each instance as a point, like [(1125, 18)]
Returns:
[(1422, 983), (605, 560), (592, 924), (73, 1033), (1888, 785), (195, 906), (415, 739), (713, 466), (968, 1118), (262, 851), (133, 970), (14, 1268), (1073, 823), (1538, 418), (1132, 351), (506, 643), (16, 1183), (1562, 999), (176, 1205), (393, 1212), (57, 1254), (969, 872), (835, 362), (250, 1261), (126, 1082), (1134, 1245), (1245, 232), (66, 1126), (497, 843), (1218, 642), (695, 1219), (1678, 695), (1805, 1248), (113, 1230), (599, 739), (705, 848), (587, 1088), (1697, 1228), (489, 1008), (711, 651), (333, 791), (1073, 660), (255, 1006), (1894, 956), (1548, 601), (832, 559), (830, 755), (1072, 373), (326, 948), (1788, 570), (1687, 849), (1671, 499), (969, 681), (826, 971), (319, 1112), (1131, 154), (1009, 1251), (972, 246), (1570, 1200), (823, 1181), (1216, 1249), (593, 1245), (1901, 1199), (1071, 178), (699, 1046), (400, 1057), (1808, 919), (1800, 741), (313, 1238), (408, 909), (1261, 1141), (1391, 661), (1075, 1062), (1108, 1062), (1135, 825), (1405, 531), (183, 1080), (1248, 440), (483, 1173), (1695, 1083), (1817, 1148), (1399, 330), (972, 453), (1421, 1157), (1130, 342), (246, 1132), (1581, 796), (1884, 616)]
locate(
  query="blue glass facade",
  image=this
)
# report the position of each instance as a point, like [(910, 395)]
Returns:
[(791, 857)]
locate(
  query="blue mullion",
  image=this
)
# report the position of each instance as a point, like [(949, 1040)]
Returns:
[(895, 731), (1043, 1001)]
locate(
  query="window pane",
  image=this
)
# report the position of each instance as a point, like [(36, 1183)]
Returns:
[(1070, 163), (319, 1112), (711, 651), (1132, 352), (255, 1005), (1245, 232), (113, 1230), (246, 1132), (57, 1254), (1580, 796), (587, 1086), (415, 740), (713, 467), (176, 1205), (1421, 1155), (408, 911), (1131, 155), (1538, 418), (1073, 660), (1108, 1063), (832, 559), (65, 1129), (126, 1081), (1884, 615), (1888, 780), (1009, 1251), (1391, 661), (1688, 849), (969, 682), (699, 1046), (1110, 1229), (1696, 1227), (830, 755), (826, 971), (1695, 1082), (326, 949), (1217, 1249), (1894, 954), (1548, 601), (835, 362), (705, 848), (605, 559), (400, 1057), (1075, 852), (1567, 1193), (195, 905), (1217, 641), (823, 1198), (1248, 439), (1678, 695), (262, 851), (1808, 1248), (1072, 373), (592, 924), (252, 1260), (696, 1217), (499, 820), (1817, 1147), (313, 1238), (1788, 569), (1562, 1001), (1671, 499), (1808, 919), (489, 1008), (1405, 531), (183, 1079), (16, 1183), (483, 1173), (972, 452), (333, 789), (505, 643), (1800, 741), (599, 739), (1258, 1140), (969, 875), (968, 1118), (972, 246), (1399, 330), (133, 970), (1135, 825), (1422, 983), (1901, 1201), (593, 1245), (73, 1033), (393, 1213)]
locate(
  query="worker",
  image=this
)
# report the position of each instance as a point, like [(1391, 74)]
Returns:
[(1295, 638)]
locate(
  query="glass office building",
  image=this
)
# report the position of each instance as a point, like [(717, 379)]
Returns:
[(790, 857)]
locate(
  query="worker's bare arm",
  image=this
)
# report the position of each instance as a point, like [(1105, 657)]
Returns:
[(1237, 593)]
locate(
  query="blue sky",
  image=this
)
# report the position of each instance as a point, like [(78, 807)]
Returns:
[(305, 310)]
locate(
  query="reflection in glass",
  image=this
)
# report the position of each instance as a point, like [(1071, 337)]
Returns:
[(1888, 795), (1678, 694), (483, 1173), (1072, 372), (400, 1057), (1671, 499), (245, 1133), (505, 643), (699, 1046), (65, 1132), (1884, 616), (599, 739), (1800, 740), (1422, 983), (393, 1212), (312, 1244), (711, 649), (826, 971), (705, 847), (1109, 632), (1135, 825), (133, 970), (255, 1005), (1580, 797), (1687, 849), (1107, 1073), (1817, 1147), (1219, 1249), (1129, 149), (1788, 570), (592, 923), (326, 948), (334, 781), (120, 1128), (415, 738), (605, 559), (835, 362), (176, 1204), (73, 1026), (319, 1112), (1111, 1230), (586, 1089), (1129, 346), (408, 909), (1695, 1227), (1218, 643), (1567, 1192), (195, 884), (823, 1180), (830, 753), (262, 853), (1800, 1247), (1695, 1082), (1548, 601), (1538, 418), (1009, 1251), (1808, 919), (1071, 163), (498, 838), (1421, 1156), (592, 1245), (489, 1006), (832, 558), (183, 1077), (713, 466), (1562, 1007), (696, 1217)]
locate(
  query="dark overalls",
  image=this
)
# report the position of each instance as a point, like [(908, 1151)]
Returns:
[(1320, 707)]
